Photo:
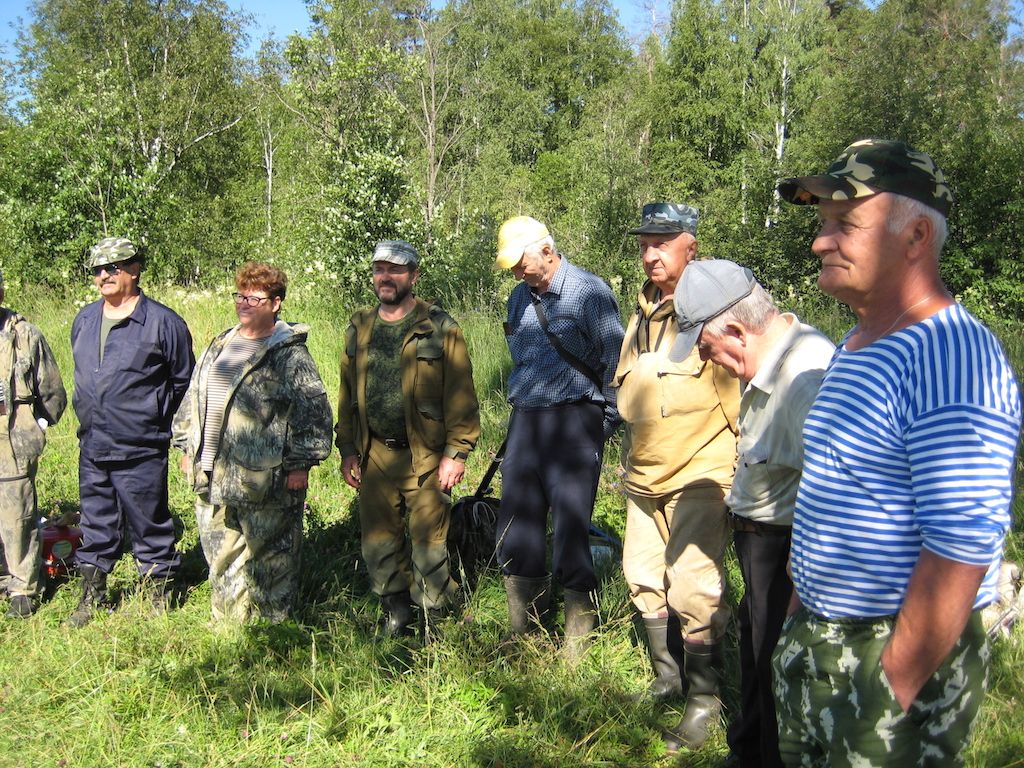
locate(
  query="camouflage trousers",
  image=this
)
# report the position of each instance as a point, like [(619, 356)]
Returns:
[(390, 493), (254, 558), (22, 546), (837, 709)]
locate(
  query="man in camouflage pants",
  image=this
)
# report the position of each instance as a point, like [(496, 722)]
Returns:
[(904, 502), (407, 419), (32, 397)]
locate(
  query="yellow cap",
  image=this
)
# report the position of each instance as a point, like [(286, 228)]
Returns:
[(514, 237)]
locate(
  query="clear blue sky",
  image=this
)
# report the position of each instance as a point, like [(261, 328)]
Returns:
[(283, 17)]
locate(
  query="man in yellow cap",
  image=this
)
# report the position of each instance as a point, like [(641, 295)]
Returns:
[(564, 334)]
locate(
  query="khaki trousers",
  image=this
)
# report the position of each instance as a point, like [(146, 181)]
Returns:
[(672, 559), (390, 497)]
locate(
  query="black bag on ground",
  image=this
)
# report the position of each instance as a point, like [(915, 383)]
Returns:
[(472, 531)]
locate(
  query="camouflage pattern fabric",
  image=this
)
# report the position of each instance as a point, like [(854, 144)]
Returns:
[(32, 390), (277, 419), (837, 709), (111, 250), (389, 493), (254, 555), (19, 532), (667, 218), (385, 404), (868, 167)]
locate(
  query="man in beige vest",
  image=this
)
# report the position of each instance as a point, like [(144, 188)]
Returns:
[(677, 463)]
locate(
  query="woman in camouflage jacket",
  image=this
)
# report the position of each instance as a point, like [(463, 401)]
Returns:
[(254, 420)]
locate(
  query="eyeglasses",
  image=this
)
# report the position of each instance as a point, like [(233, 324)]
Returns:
[(110, 269), (252, 301)]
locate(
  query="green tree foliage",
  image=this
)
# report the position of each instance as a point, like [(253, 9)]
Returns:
[(130, 102), (393, 119)]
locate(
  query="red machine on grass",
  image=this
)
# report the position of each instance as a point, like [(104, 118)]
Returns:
[(60, 543)]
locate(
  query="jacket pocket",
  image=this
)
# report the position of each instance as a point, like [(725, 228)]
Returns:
[(429, 368), (431, 418)]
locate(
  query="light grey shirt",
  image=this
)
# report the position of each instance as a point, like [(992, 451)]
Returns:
[(773, 408)]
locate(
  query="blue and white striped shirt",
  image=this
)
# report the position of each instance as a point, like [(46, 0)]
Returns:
[(583, 314), (909, 444)]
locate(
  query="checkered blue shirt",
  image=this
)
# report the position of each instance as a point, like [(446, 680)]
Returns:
[(583, 314)]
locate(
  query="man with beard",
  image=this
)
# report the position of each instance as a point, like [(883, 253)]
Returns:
[(407, 419)]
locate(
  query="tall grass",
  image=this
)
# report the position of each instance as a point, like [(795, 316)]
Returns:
[(132, 689)]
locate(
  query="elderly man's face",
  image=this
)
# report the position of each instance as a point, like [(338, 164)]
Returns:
[(665, 257), (726, 350), (536, 269), (117, 281), (859, 256)]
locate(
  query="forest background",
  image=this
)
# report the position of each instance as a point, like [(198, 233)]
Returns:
[(162, 121)]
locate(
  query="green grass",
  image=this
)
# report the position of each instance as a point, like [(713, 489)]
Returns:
[(131, 689)]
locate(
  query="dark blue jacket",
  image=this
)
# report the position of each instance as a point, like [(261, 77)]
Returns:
[(125, 404)]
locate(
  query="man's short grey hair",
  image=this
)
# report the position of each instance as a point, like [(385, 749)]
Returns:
[(755, 313), (533, 249), (905, 209)]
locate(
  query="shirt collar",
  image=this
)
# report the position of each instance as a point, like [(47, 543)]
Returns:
[(768, 371)]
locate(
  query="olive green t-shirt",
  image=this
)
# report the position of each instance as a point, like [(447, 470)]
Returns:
[(385, 404)]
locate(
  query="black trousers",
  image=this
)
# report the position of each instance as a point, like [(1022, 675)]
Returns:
[(753, 736), (134, 492), (552, 461)]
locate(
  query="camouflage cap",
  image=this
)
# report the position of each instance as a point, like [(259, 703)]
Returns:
[(871, 166), (112, 250), (396, 252), (667, 218)]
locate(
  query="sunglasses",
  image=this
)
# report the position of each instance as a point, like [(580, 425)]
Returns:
[(110, 269)]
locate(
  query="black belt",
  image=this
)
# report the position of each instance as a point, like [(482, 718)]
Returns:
[(746, 525), (392, 443)]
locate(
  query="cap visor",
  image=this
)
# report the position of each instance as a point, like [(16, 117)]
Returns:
[(684, 344), (507, 259), (811, 190)]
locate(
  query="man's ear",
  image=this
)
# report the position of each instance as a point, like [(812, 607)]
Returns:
[(921, 237), (737, 331)]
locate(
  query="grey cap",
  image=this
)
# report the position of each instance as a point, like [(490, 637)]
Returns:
[(112, 250), (706, 290), (666, 219), (396, 252)]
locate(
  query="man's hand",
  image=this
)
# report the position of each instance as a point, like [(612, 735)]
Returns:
[(450, 473), (297, 479), (186, 464), (350, 469), (939, 601)]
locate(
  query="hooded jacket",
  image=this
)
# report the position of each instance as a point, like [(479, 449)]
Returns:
[(276, 418)]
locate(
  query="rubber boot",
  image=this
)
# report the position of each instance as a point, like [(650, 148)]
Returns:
[(22, 607), (94, 596), (401, 620), (703, 705), (665, 644), (528, 602), (580, 620), (161, 595)]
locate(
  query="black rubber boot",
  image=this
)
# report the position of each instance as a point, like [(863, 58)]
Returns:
[(94, 596), (580, 620), (665, 644), (22, 607), (528, 602), (703, 705), (401, 619), (161, 594)]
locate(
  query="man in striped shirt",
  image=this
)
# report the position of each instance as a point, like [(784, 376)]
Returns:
[(904, 502)]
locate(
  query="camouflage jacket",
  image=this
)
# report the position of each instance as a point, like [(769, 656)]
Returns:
[(276, 419), (441, 411), (32, 390)]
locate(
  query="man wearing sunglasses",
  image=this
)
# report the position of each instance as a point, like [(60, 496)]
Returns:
[(133, 359)]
